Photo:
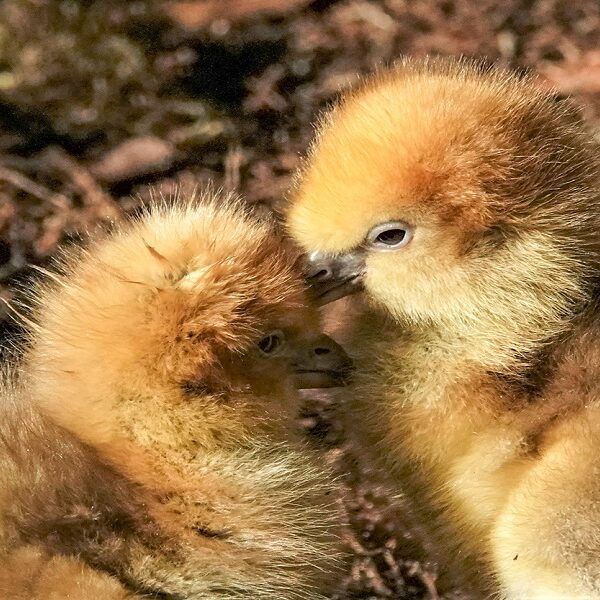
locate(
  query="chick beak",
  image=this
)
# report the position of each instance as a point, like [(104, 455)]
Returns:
[(333, 277), (322, 364)]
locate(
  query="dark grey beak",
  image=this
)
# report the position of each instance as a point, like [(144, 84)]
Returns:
[(333, 277), (322, 364)]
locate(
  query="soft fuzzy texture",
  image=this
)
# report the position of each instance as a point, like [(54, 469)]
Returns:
[(148, 435), (479, 350), (31, 574)]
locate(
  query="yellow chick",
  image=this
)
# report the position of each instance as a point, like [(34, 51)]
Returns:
[(465, 202)]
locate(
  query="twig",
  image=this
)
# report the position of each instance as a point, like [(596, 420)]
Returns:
[(93, 196), (19, 181), (234, 159)]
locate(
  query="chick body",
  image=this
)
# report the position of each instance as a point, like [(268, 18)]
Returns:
[(29, 573), (478, 351), (143, 360)]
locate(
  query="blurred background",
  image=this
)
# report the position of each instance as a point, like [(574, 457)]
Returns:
[(105, 103)]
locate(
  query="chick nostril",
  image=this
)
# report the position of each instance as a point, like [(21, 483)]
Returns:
[(321, 275), (322, 351)]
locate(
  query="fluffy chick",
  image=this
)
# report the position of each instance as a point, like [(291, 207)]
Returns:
[(159, 384), (466, 202)]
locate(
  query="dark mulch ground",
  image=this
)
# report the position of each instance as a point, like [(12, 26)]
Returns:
[(103, 101)]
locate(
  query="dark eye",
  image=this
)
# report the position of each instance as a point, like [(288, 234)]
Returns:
[(390, 236), (271, 343)]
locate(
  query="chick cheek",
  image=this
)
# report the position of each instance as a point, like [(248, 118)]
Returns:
[(267, 376), (385, 285)]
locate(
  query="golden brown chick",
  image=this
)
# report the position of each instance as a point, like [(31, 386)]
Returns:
[(466, 203), (152, 433)]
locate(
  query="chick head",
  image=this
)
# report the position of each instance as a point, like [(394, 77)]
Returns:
[(451, 192), (195, 305)]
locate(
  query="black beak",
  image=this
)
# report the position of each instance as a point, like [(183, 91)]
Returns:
[(333, 277), (323, 364)]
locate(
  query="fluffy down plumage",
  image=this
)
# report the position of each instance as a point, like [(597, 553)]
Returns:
[(151, 431), (466, 201)]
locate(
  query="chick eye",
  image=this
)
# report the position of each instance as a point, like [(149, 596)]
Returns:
[(272, 342), (390, 236)]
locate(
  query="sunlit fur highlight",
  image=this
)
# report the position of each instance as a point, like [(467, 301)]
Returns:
[(141, 372), (479, 355)]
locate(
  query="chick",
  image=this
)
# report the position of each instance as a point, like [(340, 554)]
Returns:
[(152, 432), (465, 201)]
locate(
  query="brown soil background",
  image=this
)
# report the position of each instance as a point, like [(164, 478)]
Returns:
[(103, 104)]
